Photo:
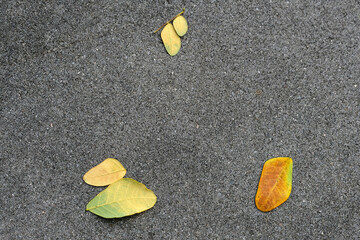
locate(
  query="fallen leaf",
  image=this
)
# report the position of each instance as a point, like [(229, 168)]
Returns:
[(122, 198), (275, 183), (107, 172), (180, 25), (170, 39)]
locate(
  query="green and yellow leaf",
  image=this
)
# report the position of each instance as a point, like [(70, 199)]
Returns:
[(107, 172), (122, 198), (170, 39), (275, 183), (180, 25)]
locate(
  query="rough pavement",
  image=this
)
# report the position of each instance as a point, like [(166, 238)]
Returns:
[(85, 80)]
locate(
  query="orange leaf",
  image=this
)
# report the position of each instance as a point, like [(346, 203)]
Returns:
[(107, 172), (275, 183)]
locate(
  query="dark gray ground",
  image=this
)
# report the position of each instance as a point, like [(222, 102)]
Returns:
[(82, 81)]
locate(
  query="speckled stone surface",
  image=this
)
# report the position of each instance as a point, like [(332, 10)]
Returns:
[(82, 81)]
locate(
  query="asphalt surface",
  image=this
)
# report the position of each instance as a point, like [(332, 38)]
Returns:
[(82, 81)]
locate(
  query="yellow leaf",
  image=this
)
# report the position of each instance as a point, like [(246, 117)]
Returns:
[(122, 198), (275, 183), (107, 172), (170, 39), (180, 25)]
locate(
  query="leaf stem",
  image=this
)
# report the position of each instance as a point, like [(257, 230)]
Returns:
[(169, 21)]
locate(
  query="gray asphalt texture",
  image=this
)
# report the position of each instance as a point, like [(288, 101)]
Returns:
[(82, 81)]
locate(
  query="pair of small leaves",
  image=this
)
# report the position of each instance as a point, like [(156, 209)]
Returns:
[(275, 183), (171, 34), (124, 196)]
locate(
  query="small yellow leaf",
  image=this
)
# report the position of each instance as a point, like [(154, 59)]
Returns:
[(180, 25), (122, 198), (275, 183), (107, 172), (170, 39)]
